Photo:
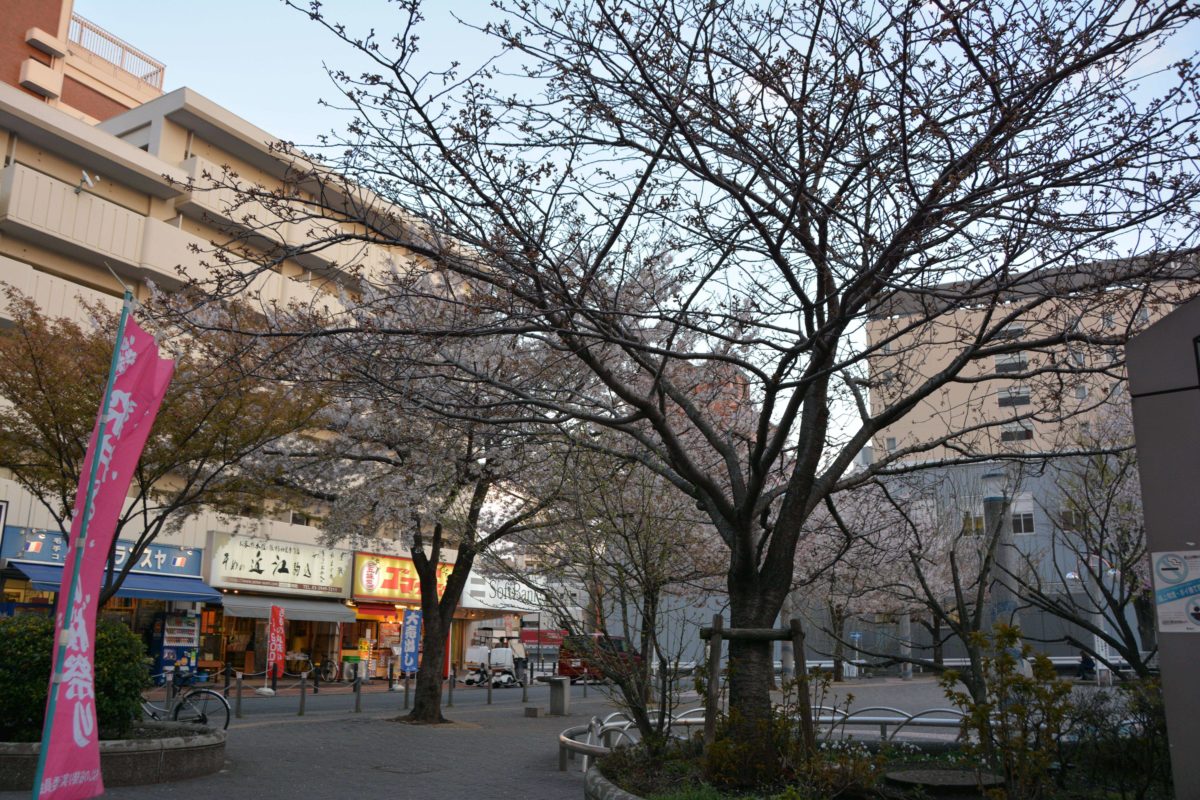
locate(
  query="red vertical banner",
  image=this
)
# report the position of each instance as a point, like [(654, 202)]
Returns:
[(69, 767), (276, 643)]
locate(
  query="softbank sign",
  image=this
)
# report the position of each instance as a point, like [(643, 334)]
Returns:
[(501, 594)]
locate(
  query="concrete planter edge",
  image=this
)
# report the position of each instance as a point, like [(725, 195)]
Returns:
[(194, 752), (598, 787)]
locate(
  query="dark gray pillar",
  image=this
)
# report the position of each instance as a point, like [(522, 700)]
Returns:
[(1164, 380)]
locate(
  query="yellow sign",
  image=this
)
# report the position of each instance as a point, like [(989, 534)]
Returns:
[(364, 649), (391, 578)]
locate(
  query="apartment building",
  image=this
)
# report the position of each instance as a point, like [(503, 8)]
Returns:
[(103, 186), (1018, 413)]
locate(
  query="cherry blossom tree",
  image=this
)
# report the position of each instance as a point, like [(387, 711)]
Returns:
[(211, 436), (696, 208)]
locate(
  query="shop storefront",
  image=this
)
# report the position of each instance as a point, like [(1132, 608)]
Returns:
[(384, 586), (163, 599), (311, 584)]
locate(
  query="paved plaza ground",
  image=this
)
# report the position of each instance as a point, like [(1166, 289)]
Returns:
[(487, 752)]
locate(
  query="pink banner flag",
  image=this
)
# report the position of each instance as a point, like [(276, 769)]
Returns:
[(72, 758)]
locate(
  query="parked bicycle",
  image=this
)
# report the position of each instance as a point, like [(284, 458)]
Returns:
[(190, 704)]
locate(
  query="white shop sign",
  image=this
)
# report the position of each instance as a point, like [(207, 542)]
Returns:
[(271, 566)]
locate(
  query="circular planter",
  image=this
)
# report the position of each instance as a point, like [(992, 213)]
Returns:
[(598, 787), (177, 752)]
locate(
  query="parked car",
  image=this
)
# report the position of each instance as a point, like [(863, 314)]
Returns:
[(578, 656)]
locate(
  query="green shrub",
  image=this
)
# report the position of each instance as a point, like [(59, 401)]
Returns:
[(25, 676), (1017, 727), (1118, 743)]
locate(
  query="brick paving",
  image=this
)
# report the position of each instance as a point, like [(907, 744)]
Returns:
[(486, 752)]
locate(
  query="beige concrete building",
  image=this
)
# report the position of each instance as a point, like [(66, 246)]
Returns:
[(1022, 401)]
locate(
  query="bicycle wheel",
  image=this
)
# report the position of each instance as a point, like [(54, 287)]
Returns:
[(204, 707)]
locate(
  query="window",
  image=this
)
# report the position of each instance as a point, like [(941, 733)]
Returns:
[(1010, 362), (890, 443), (1016, 396), (972, 524), (1081, 393), (1014, 331), (1071, 519), (1022, 522), (1114, 355), (1142, 316), (1016, 432), (1106, 320), (1078, 358)]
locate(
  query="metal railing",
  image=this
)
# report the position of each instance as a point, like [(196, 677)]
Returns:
[(94, 39), (601, 735)]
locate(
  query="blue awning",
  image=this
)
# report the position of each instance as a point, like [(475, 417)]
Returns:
[(48, 578)]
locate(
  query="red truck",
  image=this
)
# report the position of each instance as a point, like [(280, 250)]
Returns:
[(580, 657)]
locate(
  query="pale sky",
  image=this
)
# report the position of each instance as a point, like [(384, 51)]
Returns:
[(263, 61)]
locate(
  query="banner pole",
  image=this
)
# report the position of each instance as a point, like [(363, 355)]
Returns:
[(60, 647)]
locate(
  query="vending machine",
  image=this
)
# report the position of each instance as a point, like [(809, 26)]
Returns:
[(175, 637)]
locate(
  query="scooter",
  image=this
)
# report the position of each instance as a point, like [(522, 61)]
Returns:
[(478, 676), (503, 668)]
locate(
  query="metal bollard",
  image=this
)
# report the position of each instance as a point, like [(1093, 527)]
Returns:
[(303, 687), (357, 693), (274, 678), (391, 677), (563, 754), (237, 700), (453, 680), (525, 690), (407, 686), (228, 675), (489, 690), (316, 673)]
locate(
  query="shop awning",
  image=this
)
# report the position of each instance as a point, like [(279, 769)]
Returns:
[(48, 578), (240, 605)]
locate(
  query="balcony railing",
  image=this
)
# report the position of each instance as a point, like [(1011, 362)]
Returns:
[(95, 39)]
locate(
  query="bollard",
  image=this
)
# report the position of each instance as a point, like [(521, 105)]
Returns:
[(585, 683), (303, 686), (489, 690), (274, 679), (357, 693), (228, 675), (237, 705), (563, 753), (525, 691), (392, 677), (316, 673), (453, 680), (407, 686), (560, 697)]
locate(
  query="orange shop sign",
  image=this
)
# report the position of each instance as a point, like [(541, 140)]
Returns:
[(379, 577)]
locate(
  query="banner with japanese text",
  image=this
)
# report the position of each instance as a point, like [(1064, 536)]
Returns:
[(276, 643), (410, 641), (71, 761)]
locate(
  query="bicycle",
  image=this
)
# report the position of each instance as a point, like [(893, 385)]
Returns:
[(189, 704)]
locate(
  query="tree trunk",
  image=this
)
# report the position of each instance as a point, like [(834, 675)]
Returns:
[(427, 695), (935, 629), (787, 655), (750, 671), (1143, 610)]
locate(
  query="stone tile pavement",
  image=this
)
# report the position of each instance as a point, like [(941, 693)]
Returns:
[(487, 752)]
